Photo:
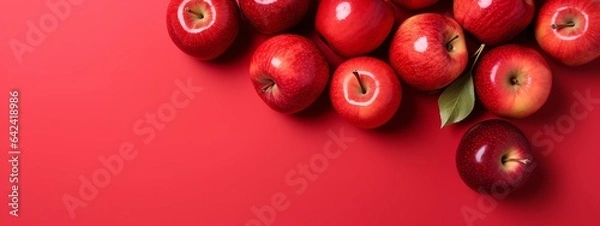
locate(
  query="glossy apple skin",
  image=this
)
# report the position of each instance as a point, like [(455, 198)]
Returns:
[(295, 66), (575, 45), (481, 151), (212, 36), (494, 22), (274, 16), (414, 4), (354, 27), (494, 81), (419, 53), (382, 96)]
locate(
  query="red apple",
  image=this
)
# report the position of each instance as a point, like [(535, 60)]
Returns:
[(288, 72), (203, 28), (494, 22), (494, 157), (274, 16), (513, 81), (428, 51), (569, 30), (365, 91), (354, 27), (414, 4)]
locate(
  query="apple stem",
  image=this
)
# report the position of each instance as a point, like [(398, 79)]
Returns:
[(560, 26), (199, 15), (522, 161), (449, 45), (476, 55), (357, 75)]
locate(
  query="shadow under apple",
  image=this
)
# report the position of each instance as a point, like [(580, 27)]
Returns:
[(242, 45), (318, 109), (538, 187), (405, 115)]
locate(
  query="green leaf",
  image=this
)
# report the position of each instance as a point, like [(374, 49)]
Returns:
[(457, 101)]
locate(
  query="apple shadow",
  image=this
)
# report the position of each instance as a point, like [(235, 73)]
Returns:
[(240, 47), (382, 52), (590, 69), (307, 25), (537, 187), (317, 109), (404, 115), (440, 7)]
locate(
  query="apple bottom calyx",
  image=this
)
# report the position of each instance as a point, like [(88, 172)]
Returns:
[(514, 80)]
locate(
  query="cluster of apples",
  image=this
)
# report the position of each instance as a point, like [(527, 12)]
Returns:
[(428, 52)]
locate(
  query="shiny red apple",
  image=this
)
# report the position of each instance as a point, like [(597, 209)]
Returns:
[(428, 51), (354, 27), (513, 81), (365, 91), (569, 30), (274, 16), (494, 157), (494, 22), (203, 29), (288, 72), (414, 4)]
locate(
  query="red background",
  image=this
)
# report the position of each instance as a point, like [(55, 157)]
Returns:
[(109, 63)]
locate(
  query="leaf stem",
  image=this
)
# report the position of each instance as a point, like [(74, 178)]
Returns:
[(476, 56)]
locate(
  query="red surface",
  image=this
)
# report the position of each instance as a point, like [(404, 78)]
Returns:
[(109, 63)]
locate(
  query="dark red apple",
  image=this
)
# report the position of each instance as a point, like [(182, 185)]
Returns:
[(513, 81), (414, 4), (569, 30), (274, 16), (354, 27), (428, 51), (365, 91), (494, 22), (203, 29), (494, 157), (288, 72)]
